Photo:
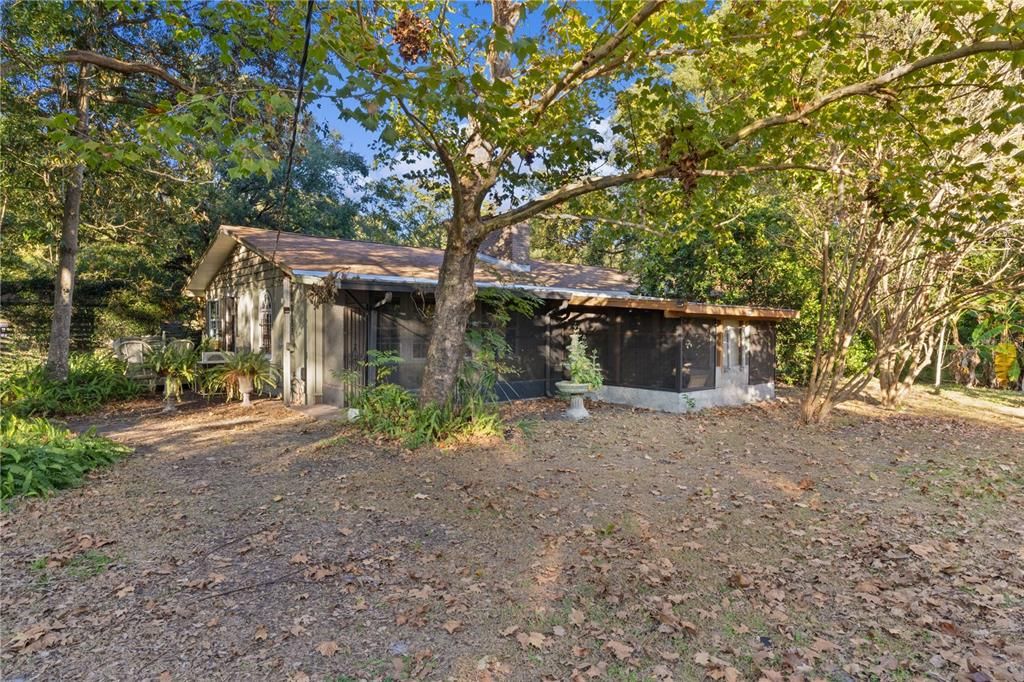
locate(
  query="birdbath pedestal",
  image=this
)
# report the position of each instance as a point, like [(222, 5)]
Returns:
[(576, 410)]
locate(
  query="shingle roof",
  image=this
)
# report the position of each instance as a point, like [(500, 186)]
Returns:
[(307, 256), (305, 253)]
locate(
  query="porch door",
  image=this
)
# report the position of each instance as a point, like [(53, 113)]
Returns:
[(354, 342), (344, 350)]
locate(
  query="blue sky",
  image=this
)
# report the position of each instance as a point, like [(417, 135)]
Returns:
[(358, 139)]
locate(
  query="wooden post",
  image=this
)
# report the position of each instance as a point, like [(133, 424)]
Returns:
[(286, 345)]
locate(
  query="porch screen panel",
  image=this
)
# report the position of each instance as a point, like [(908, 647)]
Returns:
[(761, 354), (697, 355), (527, 340), (649, 349), (636, 348), (402, 329), (594, 328)]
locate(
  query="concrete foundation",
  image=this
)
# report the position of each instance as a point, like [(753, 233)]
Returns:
[(731, 388)]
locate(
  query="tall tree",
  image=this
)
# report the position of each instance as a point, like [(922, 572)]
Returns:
[(323, 199), (144, 88), (509, 106)]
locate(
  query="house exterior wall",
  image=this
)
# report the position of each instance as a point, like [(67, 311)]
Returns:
[(334, 337), (538, 345), (244, 278), (732, 380)]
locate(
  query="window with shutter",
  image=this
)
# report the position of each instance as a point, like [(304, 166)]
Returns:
[(266, 322)]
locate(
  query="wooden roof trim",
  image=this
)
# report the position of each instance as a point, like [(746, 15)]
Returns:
[(676, 308)]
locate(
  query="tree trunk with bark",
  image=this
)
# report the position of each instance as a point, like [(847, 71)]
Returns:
[(455, 300), (64, 283)]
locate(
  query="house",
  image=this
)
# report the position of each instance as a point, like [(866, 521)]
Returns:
[(318, 305)]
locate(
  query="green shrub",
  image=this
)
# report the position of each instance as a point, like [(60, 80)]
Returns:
[(389, 411), (37, 457), (583, 365), (93, 379), (176, 363), (392, 412)]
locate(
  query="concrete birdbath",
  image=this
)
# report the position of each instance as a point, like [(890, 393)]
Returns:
[(577, 410), (585, 375)]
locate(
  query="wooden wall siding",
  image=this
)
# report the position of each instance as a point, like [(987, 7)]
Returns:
[(314, 353), (244, 276)]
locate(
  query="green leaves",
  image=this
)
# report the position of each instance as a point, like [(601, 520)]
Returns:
[(37, 457)]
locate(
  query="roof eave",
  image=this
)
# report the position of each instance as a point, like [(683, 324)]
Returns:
[(210, 263), (584, 297)]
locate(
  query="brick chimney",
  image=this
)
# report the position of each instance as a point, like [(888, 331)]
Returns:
[(509, 246)]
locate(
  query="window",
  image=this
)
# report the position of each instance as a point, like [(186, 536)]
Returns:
[(698, 355), (761, 347), (266, 322), (733, 349), (213, 319)]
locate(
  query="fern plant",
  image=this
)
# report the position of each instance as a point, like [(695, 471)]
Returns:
[(247, 371), (177, 365)]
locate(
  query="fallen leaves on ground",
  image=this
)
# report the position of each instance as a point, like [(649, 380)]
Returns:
[(727, 545)]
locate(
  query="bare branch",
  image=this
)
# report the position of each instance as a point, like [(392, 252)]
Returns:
[(114, 64), (575, 189)]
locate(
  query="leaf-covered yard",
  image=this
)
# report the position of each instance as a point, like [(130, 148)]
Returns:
[(733, 544)]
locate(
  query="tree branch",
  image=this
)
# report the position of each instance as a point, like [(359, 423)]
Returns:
[(599, 219), (428, 136), (595, 56), (769, 168), (114, 64), (869, 87), (575, 189)]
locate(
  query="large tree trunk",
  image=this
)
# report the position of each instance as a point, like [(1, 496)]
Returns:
[(64, 283), (889, 382), (455, 300)]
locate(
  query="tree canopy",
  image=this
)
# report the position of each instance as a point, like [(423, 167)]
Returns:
[(694, 144)]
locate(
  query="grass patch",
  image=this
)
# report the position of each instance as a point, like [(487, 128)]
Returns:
[(89, 564), (997, 396)]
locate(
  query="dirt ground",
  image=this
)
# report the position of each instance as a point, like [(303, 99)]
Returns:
[(731, 544)]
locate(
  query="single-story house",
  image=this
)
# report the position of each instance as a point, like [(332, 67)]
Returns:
[(265, 290)]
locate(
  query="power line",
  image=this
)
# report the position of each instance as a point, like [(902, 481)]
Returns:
[(295, 116)]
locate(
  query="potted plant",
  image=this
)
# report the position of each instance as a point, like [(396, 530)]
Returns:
[(176, 364), (585, 375), (246, 371)]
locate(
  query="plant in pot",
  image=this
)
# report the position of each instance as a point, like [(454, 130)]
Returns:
[(246, 371), (585, 375), (176, 364)]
